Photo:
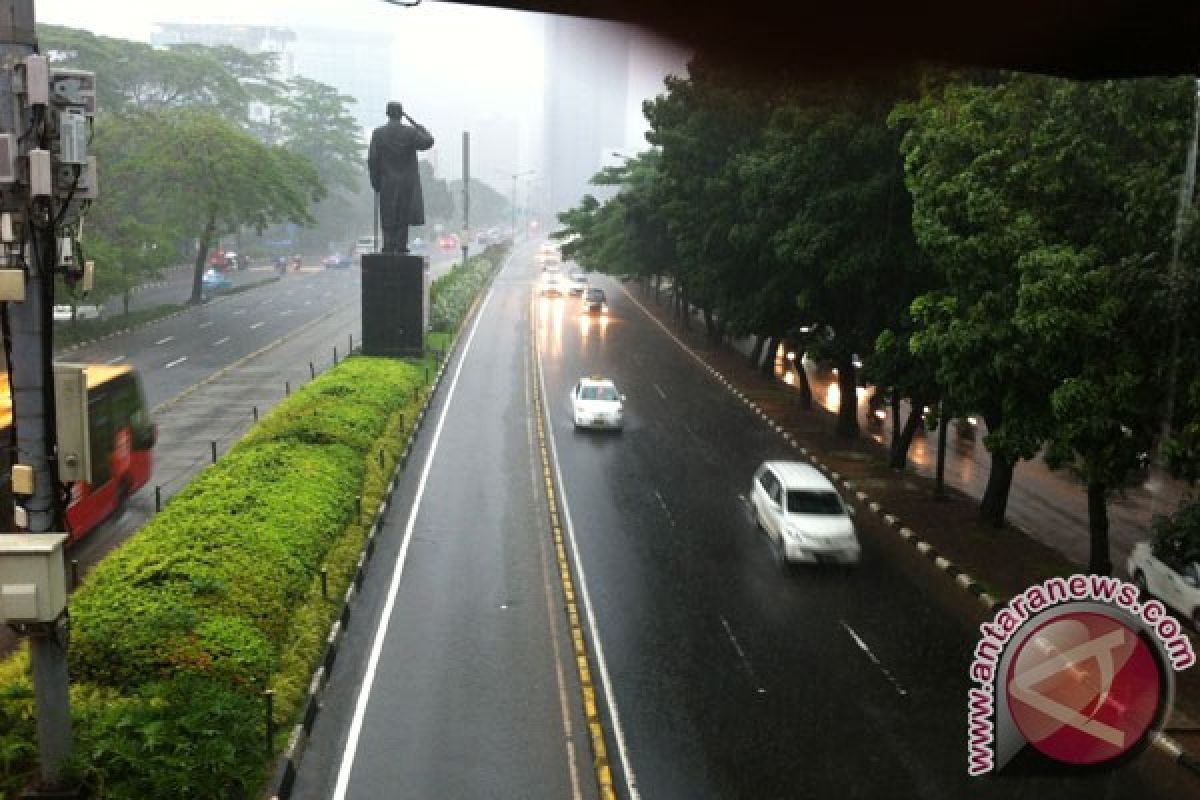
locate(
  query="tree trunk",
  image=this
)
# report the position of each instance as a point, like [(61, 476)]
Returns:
[(766, 366), (1099, 561), (901, 444), (995, 494), (657, 287), (210, 230), (125, 298), (847, 422), (894, 404), (802, 385), (710, 325), (757, 352), (939, 490), (685, 310), (721, 328)]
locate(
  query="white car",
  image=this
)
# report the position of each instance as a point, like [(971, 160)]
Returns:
[(1175, 583), (803, 513), (596, 403), (62, 313)]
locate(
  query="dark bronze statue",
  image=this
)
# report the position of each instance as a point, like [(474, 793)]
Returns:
[(392, 164)]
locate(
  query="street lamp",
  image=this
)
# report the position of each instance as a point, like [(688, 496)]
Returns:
[(513, 201)]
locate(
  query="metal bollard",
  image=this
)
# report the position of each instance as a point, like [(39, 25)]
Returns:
[(74, 573), (287, 388), (335, 354), (324, 583), (312, 370), (256, 413), (359, 499), (213, 443), (427, 373), (157, 499), (416, 394), (351, 350), (381, 458)]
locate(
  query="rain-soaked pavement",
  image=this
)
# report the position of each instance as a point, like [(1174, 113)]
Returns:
[(722, 676)]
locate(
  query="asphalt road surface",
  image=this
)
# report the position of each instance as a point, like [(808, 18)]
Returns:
[(723, 675)]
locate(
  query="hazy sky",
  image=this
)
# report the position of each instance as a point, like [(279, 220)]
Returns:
[(456, 67)]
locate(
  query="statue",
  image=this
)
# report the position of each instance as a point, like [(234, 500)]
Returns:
[(392, 165)]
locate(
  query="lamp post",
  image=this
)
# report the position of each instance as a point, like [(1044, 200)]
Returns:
[(513, 201)]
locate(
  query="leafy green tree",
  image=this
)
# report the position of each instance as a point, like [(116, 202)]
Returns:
[(1038, 198), (230, 179)]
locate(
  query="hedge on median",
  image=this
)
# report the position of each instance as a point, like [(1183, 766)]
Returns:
[(176, 634)]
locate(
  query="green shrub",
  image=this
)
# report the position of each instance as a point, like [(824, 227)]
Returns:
[(451, 295)]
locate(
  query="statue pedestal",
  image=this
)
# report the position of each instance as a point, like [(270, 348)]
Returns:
[(395, 307)]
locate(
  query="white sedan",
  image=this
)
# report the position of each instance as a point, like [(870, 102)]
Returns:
[(1175, 582), (801, 510), (596, 403)]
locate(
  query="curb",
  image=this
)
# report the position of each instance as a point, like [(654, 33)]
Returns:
[(287, 766), (961, 578)]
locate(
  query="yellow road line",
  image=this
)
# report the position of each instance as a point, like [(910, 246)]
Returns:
[(595, 726)]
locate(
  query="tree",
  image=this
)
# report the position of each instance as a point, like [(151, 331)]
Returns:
[(228, 179), (1046, 205)]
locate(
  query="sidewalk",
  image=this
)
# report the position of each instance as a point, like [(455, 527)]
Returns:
[(1004, 561)]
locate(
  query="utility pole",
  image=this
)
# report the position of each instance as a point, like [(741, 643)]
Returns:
[(1187, 191), (466, 173), (513, 199), (47, 179)]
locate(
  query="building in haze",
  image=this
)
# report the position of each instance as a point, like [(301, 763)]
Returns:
[(596, 76), (358, 64)]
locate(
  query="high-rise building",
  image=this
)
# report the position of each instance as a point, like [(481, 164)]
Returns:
[(586, 87)]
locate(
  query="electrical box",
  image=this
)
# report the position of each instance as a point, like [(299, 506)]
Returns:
[(12, 286), (37, 80), (8, 158), (89, 181), (74, 88), (71, 416), (33, 579), (73, 138), (41, 183), (22, 479)]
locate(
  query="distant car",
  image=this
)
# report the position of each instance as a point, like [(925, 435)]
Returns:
[(337, 261), (1175, 582), (448, 241), (596, 403), (214, 282), (576, 283), (552, 285), (62, 313), (800, 510), (594, 301)]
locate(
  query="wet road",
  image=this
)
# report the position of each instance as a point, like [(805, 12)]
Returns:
[(731, 678), (724, 676), (467, 690)]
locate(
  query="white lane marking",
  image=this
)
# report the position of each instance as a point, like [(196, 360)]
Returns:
[(165, 340), (239, 311), (863, 646), (364, 692), (176, 362), (666, 510), (220, 341), (741, 653), (205, 325), (285, 313), (115, 360), (257, 325), (597, 646), (308, 302), (549, 585), (658, 389)]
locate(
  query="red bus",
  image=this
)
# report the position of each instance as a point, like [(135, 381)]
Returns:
[(122, 438)]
